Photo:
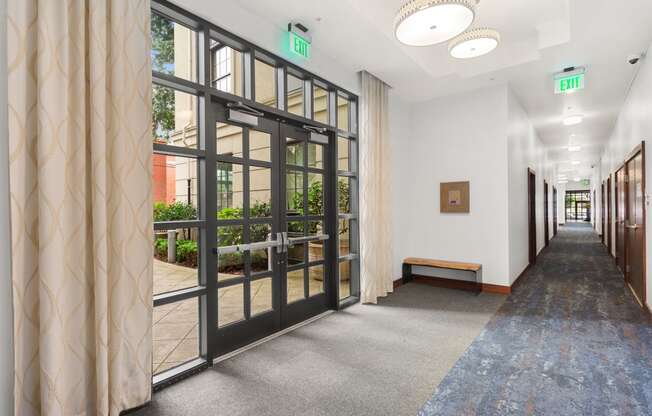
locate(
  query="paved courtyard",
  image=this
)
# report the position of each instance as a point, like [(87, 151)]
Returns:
[(176, 326)]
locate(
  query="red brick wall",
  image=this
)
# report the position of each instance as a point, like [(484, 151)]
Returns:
[(164, 178)]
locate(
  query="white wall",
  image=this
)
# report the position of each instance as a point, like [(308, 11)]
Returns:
[(633, 126), (525, 150), (455, 138), (6, 314)]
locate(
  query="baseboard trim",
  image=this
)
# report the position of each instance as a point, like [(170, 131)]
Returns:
[(464, 284)]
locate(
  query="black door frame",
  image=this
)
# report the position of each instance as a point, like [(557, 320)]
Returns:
[(230, 337)]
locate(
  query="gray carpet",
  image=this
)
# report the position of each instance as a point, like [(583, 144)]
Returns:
[(571, 340), (383, 359)]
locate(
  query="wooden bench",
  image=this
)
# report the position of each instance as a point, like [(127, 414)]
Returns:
[(442, 282)]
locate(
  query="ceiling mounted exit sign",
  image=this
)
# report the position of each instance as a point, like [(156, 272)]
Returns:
[(299, 45), (569, 81)]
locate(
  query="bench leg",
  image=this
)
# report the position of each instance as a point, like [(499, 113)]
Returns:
[(407, 273)]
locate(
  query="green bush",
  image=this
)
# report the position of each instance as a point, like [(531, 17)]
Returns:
[(186, 252), (175, 211)]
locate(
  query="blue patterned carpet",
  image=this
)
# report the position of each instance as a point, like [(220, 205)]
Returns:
[(570, 340)]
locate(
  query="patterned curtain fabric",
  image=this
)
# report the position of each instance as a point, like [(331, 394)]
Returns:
[(81, 206), (375, 190)]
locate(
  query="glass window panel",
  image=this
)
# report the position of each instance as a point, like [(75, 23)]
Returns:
[(344, 194), (294, 152), (316, 280), (296, 253), (230, 304), (176, 268), (315, 248), (174, 48), (229, 140), (260, 146), (175, 332), (260, 259), (315, 194), (295, 285), (230, 183), (261, 296), (344, 154), (295, 95), (320, 104), (230, 265), (174, 179), (315, 155), (174, 117), (260, 192), (344, 230), (342, 113), (265, 83), (345, 279), (226, 68), (294, 187)]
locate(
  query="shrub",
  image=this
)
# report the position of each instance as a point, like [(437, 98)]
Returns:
[(186, 252), (175, 211)]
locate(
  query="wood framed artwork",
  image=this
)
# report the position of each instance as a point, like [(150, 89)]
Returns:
[(454, 197)]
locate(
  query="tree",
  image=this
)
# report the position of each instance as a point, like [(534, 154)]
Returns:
[(162, 61)]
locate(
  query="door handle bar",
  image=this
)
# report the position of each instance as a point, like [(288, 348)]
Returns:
[(301, 240)]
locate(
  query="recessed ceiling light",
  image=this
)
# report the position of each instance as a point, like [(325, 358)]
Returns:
[(575, 162), (574, 148), (428, 22), (577, 179), (572, 120), (564, 181), (474, 43)]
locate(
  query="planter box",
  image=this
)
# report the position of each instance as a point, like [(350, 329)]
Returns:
[(316, 252)]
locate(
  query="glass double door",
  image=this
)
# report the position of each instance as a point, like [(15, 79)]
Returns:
[(274, 221)]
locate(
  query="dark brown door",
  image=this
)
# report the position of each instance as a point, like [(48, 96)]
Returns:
[(554, 211), (602, 215), (593, 205), (609, 215), (532, 224), (545, 212), (635, 226), (620, 218)]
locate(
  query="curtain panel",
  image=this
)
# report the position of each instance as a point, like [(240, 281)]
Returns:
[(375, 191), (81, 207)]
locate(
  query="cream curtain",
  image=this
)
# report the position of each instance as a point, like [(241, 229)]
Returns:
[(375, 191), (80, 189)]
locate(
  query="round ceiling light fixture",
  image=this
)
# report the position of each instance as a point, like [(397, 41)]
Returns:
[(429, 22), (474, 43)]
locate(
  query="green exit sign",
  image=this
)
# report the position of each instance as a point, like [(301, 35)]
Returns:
[(299, 46), (565, 83)]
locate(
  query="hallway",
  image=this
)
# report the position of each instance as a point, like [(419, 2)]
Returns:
[(570, 340)]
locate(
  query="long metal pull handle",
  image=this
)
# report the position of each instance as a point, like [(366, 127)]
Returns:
[(239, 248), (301, 240)]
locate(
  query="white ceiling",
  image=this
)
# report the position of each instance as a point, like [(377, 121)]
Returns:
[(539, 38)]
